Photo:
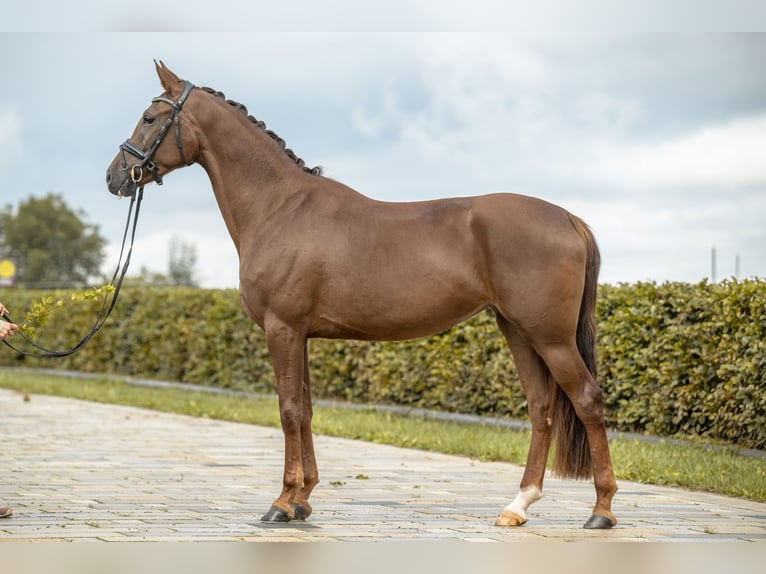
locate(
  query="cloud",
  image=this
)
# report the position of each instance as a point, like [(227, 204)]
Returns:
[(517, 16), (217, 264), (670, 237), (725, 155), (184, 208), (10, 134), (552, 117), (470, 108)]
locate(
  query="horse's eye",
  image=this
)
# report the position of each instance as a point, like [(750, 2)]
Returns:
[(148, 120)]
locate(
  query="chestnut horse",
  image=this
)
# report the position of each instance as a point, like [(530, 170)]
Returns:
[(318, 259)]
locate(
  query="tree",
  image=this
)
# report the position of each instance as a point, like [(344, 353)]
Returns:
[(181, 261), (50, 243)]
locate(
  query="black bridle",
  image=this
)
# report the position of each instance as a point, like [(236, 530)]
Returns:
[(136, 173)]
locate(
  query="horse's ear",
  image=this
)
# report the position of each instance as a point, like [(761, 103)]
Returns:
[(168, 79)]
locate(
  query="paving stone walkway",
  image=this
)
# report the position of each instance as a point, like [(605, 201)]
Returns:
[(76, 471)]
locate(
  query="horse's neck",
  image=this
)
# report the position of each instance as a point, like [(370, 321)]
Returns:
[(247, 169)]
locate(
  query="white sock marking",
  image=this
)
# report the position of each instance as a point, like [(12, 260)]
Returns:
[(523, 500)]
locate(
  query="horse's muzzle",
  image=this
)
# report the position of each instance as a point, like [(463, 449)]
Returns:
[(119, 183)]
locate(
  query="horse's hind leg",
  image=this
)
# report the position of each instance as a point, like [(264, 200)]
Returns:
[(535, 381), (572, 375), (301, 504)]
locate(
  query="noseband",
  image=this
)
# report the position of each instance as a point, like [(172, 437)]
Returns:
[(136, 172)]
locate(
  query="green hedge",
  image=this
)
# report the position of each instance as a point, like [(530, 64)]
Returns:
[(686, 359), (675, 359)]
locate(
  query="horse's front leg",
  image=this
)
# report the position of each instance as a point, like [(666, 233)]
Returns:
[(301, 504), (286, 347)]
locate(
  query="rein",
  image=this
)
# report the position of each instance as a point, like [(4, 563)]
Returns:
[(106, 307)]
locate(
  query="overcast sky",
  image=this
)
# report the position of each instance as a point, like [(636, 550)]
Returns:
[(658, 140)]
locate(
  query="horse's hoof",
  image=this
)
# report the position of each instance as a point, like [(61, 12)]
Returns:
[(301, 512), (598, 521), (276, 515), (508, 518)]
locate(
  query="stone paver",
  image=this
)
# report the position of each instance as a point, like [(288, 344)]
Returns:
[(74, 470)]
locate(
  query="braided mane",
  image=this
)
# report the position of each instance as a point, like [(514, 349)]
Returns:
[(317, 170)]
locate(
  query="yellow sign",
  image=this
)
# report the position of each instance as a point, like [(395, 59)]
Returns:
[(7, 269)]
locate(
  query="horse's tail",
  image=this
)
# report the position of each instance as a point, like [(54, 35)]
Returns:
[(572, 458)]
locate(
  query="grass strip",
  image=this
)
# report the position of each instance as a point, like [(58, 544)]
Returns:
[(692, 466)]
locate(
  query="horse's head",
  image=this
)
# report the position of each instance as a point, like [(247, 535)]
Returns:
[(159, 144)]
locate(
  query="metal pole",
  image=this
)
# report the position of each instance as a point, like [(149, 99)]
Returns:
[(712, 265)]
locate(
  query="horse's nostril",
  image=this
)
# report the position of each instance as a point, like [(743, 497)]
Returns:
[(108, 177)]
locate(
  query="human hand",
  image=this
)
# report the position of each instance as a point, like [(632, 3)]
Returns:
[(8, 329)]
